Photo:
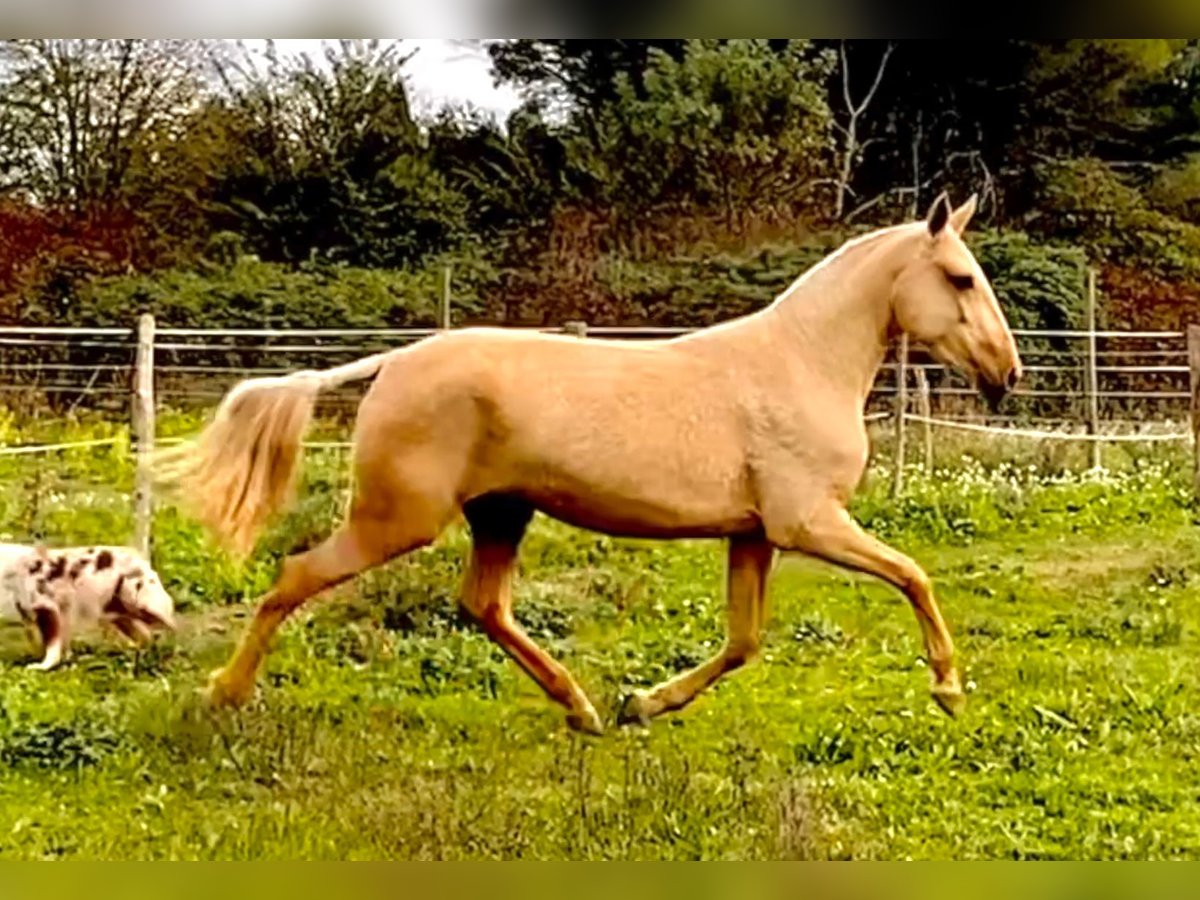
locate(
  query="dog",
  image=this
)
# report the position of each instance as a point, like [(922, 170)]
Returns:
[(57, 592)]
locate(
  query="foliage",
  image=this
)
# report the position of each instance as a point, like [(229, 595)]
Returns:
[(511, 178), (1039, 284), (86, 119), (659, 180), (731, 125), (251, 293), (326, 160), (1085, 200), (566, 74), (44, 251)]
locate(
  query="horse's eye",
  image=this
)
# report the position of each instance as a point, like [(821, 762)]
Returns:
[(961, 282)]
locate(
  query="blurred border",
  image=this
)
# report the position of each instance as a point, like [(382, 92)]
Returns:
[(774, 881), (583, 18)]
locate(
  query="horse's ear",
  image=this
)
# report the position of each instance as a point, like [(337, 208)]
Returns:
[(961, 216), (939, 214)]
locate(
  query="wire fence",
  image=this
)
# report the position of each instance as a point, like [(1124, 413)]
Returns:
[(1141, 377), (1092, 387)]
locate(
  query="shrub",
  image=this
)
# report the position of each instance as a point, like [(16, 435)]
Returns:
[(1086, 201), (1040, 285), (250, 293)]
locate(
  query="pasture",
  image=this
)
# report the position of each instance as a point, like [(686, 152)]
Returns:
[(387, 727)]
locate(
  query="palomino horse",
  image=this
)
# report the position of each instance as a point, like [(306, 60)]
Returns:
[(750, 430)]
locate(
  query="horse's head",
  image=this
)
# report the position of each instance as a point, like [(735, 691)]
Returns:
[(943, 300)]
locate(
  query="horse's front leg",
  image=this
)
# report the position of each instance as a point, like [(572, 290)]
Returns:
[(750, 558), (832, 535)]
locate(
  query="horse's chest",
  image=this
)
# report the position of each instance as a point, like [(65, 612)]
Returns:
[(813, 451)]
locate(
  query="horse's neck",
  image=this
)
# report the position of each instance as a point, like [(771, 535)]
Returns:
[(837, 317)]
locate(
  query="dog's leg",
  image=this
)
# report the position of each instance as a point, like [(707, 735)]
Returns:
[(134, 629), (53, 631)]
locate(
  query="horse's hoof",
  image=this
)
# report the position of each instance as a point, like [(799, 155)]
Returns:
[(633, 710), (586, 722), (223, 691), (951, 699)]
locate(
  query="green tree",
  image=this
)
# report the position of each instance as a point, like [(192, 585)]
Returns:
[(732, 125), (568, 76), (326, 159)]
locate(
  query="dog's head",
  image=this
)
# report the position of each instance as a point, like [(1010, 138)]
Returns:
[(155, 606), (140, 595)]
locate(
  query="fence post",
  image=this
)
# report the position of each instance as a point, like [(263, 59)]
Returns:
[(1092, 384), (445, 298), (925, 410), (579, 329), (144, 431), (1193, 344), (901, 413)]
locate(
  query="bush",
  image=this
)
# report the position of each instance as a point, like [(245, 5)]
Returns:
[(1039, 285), (1086, 201), (250, 293)]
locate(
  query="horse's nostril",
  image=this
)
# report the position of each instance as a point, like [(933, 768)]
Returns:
[(1014, 375)]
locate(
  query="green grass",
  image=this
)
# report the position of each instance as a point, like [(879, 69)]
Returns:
[(386, 727)]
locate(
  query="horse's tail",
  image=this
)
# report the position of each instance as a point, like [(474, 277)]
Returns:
[(242, 467)]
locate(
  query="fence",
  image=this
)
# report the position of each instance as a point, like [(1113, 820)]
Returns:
[(1081, 385)]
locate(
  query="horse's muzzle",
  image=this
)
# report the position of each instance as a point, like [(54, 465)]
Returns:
[(994, 391)]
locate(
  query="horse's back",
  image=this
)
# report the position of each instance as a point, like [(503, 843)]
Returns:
[(626, 432)]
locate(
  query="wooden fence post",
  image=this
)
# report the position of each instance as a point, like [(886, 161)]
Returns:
[(925, 411), (1092, 385), (144, 432), (579, 329), (1193, 345), (901, 413), (445, 298)]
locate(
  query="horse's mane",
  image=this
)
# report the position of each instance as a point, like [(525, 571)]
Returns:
[(850, 247)]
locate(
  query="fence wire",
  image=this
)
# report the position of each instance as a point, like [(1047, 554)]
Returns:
[(1142, 376)]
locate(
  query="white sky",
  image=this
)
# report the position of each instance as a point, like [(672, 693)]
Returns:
[(443, 71)]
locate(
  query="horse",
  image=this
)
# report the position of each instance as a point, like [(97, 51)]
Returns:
[(751, 430)]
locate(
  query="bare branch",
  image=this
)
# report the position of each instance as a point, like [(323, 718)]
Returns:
[(878, 77), (846, 79)]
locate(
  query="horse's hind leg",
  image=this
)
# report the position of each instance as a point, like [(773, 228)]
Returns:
[(360, 543), (750, 558), (497, 526)]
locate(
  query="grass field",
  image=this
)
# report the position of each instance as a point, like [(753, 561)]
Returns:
[(385, 727)]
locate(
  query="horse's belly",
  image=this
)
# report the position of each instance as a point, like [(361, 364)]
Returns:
[(647, 511)]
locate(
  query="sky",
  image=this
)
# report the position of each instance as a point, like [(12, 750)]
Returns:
[(442, 71)]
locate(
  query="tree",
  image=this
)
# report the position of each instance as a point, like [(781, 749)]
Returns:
[(86, 119), (733, 125), (852, 147), (326, 159), (512, 177), (982, 115), (564, 76)]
